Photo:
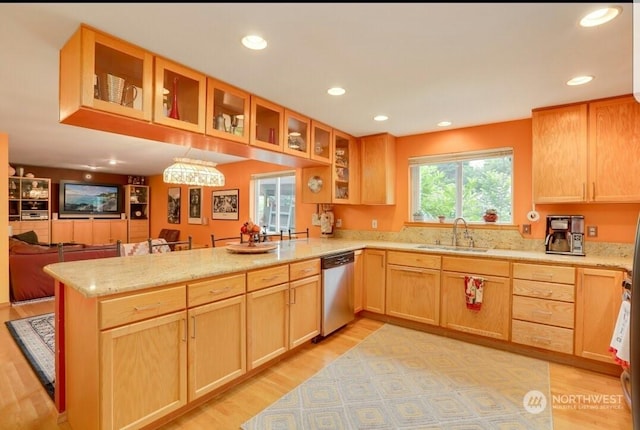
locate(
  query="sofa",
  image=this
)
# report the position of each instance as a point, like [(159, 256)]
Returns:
[(27, 279)]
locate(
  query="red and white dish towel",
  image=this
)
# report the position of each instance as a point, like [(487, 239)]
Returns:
[(473, 291), (619, 345)]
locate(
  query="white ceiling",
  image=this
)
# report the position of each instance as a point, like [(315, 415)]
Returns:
[(417, 63)]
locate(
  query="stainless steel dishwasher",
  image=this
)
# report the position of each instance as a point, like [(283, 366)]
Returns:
[(337, 292)]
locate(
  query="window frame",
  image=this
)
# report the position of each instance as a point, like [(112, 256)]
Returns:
[(254, 205)]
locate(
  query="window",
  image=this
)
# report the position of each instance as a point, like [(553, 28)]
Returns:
[(463, 185), (274, 198)]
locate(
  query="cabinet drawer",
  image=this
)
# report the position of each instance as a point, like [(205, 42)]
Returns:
[(413, 259), (304, 269), (544, 290), (263, 278), (212, 290), (544, 273), (137, 307), (542, 336), (479, 266), (543, 311)]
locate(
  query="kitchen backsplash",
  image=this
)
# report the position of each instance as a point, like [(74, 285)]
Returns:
[(483, 238)]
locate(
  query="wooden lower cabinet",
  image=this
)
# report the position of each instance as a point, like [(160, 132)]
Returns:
[(598, 299), (41, 228), (89, 232), (267, 324), (304, 310), (143, 371), (374, 266), (217, 344), (109, 231), (494, 317), (413, 287)]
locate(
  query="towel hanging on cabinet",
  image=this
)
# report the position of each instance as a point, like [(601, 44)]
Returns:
[(473, 289)]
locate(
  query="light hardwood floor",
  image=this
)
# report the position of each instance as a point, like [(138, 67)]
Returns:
[(25, 405)]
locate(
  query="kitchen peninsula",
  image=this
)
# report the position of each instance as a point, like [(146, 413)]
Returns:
[(127, 348)]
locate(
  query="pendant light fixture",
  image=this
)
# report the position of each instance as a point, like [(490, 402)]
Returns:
[(186, 171)]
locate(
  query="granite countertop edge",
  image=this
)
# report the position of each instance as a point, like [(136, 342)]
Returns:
[(108, 276)]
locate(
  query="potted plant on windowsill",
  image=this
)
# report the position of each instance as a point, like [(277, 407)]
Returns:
[(418, 215)]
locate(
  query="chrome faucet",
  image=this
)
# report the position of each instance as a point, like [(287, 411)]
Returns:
[(467, 235)]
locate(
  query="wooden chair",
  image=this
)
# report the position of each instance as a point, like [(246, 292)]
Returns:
[(264, 236), (61, 249), (298, 234), (161, 245), (218, 239)]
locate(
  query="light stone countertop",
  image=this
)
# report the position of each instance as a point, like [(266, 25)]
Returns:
[(106, 276)]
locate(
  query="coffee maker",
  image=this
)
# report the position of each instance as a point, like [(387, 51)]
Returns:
[(565, 235)]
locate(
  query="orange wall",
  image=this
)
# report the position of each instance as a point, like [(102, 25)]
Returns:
[(615, 222), (4, 213), (237, 175)]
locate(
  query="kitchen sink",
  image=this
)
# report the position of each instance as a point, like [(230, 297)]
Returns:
[(452, 248)]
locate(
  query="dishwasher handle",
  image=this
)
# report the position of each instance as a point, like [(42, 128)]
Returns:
[(338, 260)]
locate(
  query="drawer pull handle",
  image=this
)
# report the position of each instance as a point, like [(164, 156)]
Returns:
[(548, 293), (184, 329), (308, 269), (543, 340), (542, 276), (220, 290), (271, 278), (147, 307), (193, 320)]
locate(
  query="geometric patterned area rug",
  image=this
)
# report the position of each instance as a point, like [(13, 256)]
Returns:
[(36, 338), (399, 378)]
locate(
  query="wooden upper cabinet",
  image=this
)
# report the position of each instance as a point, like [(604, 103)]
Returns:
[(102, 72), (378, 174), (559, 154), (321, 142), (296, 137), (267, 124), (614, 145), (346, 169), (179, 96), (228, 111)]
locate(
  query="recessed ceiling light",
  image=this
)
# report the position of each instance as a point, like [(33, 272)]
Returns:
[(336, 91), (113, 162), (294, 134), (444, 123), (380, 118), (254, 42), (600, 16), (579, 80)]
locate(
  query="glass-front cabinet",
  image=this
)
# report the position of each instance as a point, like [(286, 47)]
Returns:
[(179, 96), (321, 144), (105, 73), (267, 124), (137, 211), (28, 199), (297, 134), (345, 169), (228, 110)]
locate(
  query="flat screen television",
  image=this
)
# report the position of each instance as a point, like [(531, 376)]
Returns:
[(89, 200)]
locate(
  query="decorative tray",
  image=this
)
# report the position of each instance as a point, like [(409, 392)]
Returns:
[(244, 248)]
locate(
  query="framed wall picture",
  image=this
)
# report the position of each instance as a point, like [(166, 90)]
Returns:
[(225, 205), (195, 205), (173, 205)]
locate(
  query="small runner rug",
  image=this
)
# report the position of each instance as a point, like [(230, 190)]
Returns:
[(398, 378), (36, 338)]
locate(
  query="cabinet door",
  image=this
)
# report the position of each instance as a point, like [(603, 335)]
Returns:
[(296, 134), (105, 73), (358, 281), (378, 167), (118, 230), (321, 142), (373, 296), (143, 371), (101, 232), (413, 293), (304, 308), (217, 345), (559, 154), (598, 299), (83, 231), (228, 111), (267, 124), (614, 135), (491, 320), (267, 324), (346, 169), (61, 231), (179, 96)]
